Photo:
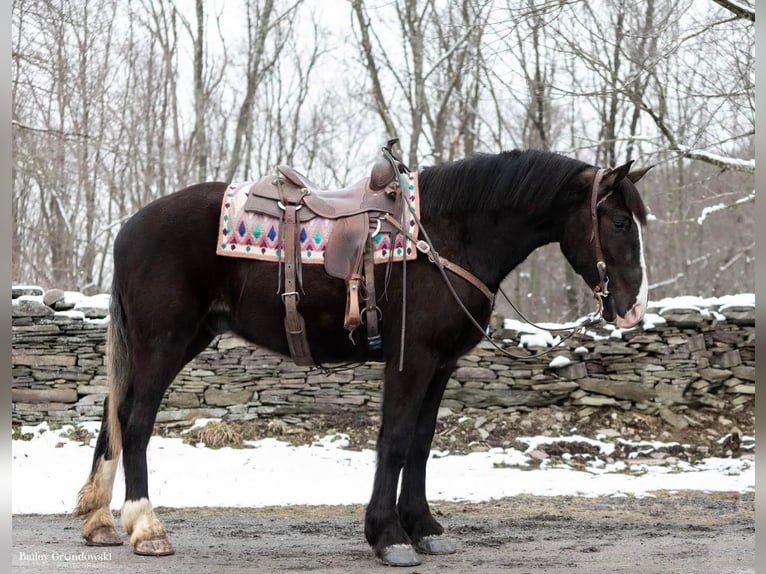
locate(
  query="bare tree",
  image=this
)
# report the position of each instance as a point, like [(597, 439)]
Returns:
[(199, 138), (378, 96), (739, 9), (103, 123), (721, 89), (428, 83), (263, 22), (65, 123)]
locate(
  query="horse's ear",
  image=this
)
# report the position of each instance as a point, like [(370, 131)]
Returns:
[(614, 175), (637, 174)]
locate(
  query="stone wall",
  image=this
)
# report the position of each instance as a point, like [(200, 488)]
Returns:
[(692, 355)]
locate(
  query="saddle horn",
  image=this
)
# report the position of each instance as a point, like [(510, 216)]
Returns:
[(386, 168), (382, 174)]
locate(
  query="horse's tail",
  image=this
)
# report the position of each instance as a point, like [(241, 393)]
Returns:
[(118, 370)]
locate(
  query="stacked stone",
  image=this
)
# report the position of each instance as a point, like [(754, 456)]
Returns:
[(57, 358), (690, 358), (235, 378)]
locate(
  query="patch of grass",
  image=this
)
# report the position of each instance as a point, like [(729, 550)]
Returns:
[(216, 434), (16, 434), (278, 427), (533, 463), (573, 448), (78, 434)]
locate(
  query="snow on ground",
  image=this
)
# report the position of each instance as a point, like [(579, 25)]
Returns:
[(48, 470)]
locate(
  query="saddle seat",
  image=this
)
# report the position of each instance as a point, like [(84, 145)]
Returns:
[(356, 198)]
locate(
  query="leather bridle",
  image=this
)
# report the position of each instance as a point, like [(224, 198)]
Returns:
[(601, 290)]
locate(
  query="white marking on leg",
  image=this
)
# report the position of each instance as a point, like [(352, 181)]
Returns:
[(140, 521), (95, 497), (107, 472)]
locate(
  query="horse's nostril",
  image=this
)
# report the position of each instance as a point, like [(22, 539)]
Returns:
[(631, 318)]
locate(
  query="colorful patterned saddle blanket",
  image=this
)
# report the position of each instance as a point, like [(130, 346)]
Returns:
[(259, 235)]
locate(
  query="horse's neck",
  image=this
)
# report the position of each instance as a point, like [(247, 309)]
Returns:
[(491, 246)]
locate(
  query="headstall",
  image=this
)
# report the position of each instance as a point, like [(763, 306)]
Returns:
[(601, 290)]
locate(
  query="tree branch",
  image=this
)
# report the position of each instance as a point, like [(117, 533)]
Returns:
[(377, 89), (739, 10), (725, 163), (724, 206)]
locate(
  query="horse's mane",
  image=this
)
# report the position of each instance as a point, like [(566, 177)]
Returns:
[(530, 180)]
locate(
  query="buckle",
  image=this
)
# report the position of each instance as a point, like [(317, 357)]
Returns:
[(282, 206), (424, 247), (591, 319), (290, 294)]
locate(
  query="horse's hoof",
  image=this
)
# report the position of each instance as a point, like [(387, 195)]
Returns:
[(435, 544), (103, 536), (399, 555), (154, 547)]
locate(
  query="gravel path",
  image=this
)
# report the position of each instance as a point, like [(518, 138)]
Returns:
[(670, 533)]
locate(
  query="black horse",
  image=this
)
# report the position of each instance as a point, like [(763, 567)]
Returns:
[(172, 295)]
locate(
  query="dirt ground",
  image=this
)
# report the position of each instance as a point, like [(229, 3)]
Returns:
[(689, 533)]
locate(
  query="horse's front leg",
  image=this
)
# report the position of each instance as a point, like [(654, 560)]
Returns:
[(403, 394), (414, 513)]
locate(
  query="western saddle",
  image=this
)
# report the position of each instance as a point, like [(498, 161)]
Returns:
[(372, 205)]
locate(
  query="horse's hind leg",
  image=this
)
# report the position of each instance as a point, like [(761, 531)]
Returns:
[(137, 415), (160, 363), (414, 513), (141, 365), (93, 501)]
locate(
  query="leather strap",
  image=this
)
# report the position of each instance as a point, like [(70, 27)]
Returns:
[(374, 339), (295, 326), (353, 317), (601, 289), (454, 268), (467, 275)]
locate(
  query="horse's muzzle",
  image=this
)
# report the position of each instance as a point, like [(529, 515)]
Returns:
[(631, 318)]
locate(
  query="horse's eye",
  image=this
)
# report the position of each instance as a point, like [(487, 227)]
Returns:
[(621, 224)]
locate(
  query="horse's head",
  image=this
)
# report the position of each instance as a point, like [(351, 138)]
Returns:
[(602, 240)]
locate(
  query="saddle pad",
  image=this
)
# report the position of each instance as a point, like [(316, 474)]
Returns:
[(257, 236)]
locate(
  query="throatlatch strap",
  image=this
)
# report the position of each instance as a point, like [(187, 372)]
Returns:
[(295, 326)]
